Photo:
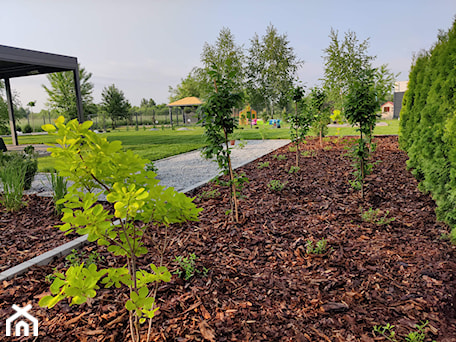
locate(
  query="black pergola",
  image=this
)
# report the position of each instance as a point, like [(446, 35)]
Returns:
[(15, 62)]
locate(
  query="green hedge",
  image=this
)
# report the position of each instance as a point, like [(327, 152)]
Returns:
[(428, 124)]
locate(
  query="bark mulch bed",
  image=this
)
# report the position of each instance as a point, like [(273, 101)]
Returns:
[(262, 285), (29, 232)]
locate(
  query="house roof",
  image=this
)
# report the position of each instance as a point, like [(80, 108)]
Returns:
[(387, 102), (186, 101)]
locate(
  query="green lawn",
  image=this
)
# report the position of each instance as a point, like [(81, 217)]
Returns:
[(158, 144)]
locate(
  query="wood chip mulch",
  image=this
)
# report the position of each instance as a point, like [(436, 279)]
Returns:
[(261, 284)]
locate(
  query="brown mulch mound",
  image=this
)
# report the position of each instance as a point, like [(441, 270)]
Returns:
[(263, 286)]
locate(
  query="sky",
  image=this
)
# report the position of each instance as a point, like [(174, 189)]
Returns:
[(145, 46)]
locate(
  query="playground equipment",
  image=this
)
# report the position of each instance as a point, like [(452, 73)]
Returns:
[(247, 116)]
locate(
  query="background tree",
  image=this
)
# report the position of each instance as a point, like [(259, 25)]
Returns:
[(62, 95), (344, 61), (193, 85), (114, 104), (226, 57), (147, 106), (271, 70)]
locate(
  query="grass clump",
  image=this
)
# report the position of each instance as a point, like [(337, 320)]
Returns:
[(12, 176)]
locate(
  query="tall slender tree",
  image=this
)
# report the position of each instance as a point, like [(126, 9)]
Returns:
[(271, 69)]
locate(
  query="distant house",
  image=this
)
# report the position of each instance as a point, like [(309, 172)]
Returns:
[(387, 110)]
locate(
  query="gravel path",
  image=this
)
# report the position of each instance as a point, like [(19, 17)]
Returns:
[(186, 170)]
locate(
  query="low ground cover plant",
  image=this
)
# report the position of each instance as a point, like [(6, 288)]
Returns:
[(140, 204), (276, 185), (318, 247), (376, 217), (263, 165), (187, 267)]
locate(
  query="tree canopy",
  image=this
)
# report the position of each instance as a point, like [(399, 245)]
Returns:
[(345, 61), (62, 96), (271, 69), (114, 103)]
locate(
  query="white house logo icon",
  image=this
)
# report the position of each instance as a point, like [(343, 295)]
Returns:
[(21, 324)]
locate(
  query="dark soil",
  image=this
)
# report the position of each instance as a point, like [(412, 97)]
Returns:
[(262, 285)]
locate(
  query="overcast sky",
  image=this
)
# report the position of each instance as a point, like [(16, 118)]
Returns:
[(145, 46)]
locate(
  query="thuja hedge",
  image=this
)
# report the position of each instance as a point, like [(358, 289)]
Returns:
[(428, 124)]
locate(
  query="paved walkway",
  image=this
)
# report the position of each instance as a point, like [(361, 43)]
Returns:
[(186, 170)]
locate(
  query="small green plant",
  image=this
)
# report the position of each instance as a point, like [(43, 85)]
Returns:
[(374, 216), (415, 336), (294, 169), (76, 258), (263, 165), (292, 148), (150, 166), (60, 188), (309, 153), (12, 176), (214, 193), (27, 129), (188, 267), (279, 156), (276, 185), (319, 248)]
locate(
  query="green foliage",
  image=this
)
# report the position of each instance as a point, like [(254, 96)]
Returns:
[(294, 169), (263, 165), (98, 166), (12, 175), (428, 123), (188, 267), (308, 153), (59, 186), (319, 248), (300, 122), (270, 70), (276, 185), (360, 106), (28, 160), (214, 193), (375, 216), (387, 331), (150, 166), (28, 128), (219, 125), (76, 258), (279, 156), (62, 95), (321, 110), (114, 103), (344, 60)]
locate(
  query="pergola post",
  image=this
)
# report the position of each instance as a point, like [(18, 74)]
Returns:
[(9, 100), (183, 116), (77, 89)]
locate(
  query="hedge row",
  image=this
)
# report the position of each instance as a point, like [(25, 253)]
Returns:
[(428, 124)]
